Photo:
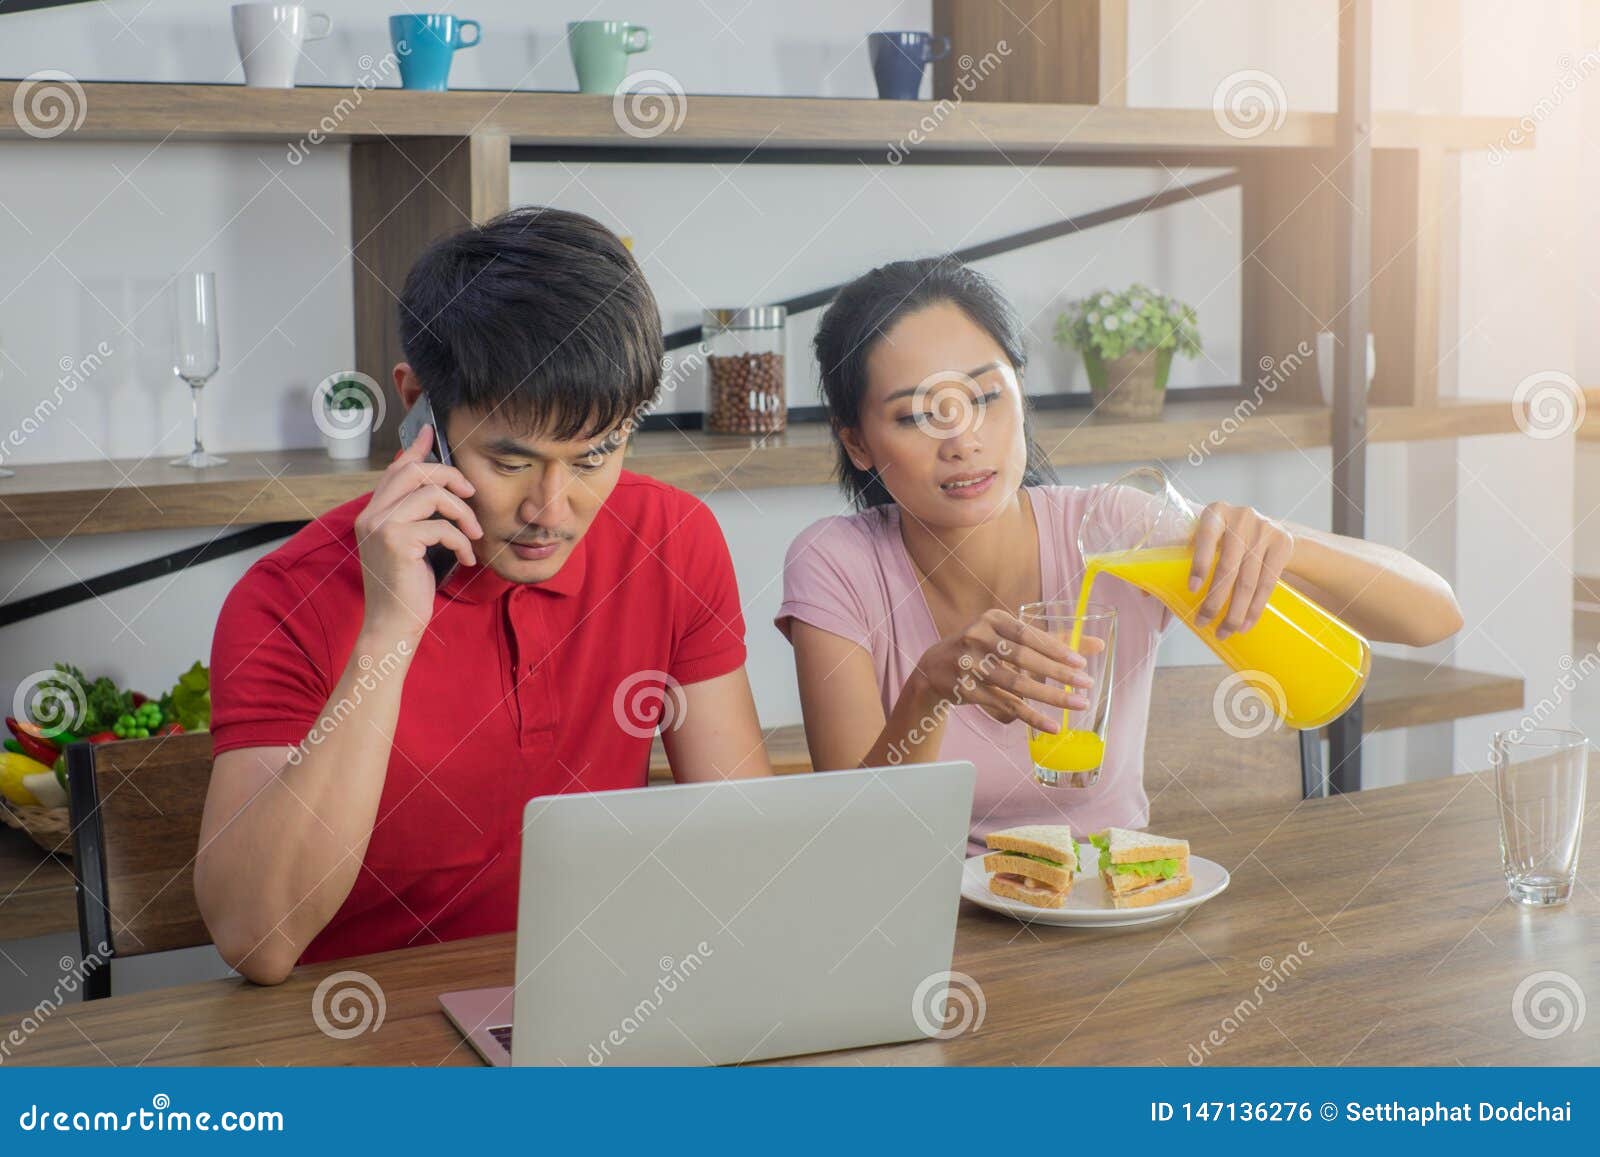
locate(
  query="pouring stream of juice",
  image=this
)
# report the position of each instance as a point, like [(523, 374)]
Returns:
[(1306, 663)]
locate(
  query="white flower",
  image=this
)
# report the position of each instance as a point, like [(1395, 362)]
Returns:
[(1112, 322), (1094, 319), (1107, 301), (1136, 304)]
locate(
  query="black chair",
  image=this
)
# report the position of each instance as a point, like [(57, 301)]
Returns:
[(135, 809)]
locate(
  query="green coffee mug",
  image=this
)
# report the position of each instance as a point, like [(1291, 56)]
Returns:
[(600, 50)]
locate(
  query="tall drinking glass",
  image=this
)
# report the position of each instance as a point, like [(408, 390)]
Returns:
[(197, 350), (1072, 757), (1540, 778)]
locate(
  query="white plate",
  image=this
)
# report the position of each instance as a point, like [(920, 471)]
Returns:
[(1087, 906)]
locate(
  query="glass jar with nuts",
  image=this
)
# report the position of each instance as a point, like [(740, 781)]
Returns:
[(745, 385)]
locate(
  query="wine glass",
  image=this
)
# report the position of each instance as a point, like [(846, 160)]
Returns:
[(198, 349)]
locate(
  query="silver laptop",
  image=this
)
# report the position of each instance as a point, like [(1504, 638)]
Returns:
[(728, 922)]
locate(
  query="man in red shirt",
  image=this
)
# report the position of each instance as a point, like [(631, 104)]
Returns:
[(376, 734)]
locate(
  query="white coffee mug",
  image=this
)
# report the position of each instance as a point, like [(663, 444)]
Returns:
[(269, 37), (1325, 351)]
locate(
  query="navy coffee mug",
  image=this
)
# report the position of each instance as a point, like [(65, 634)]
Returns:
[(899, 60)]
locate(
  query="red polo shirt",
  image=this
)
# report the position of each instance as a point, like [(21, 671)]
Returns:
[(516, 690)]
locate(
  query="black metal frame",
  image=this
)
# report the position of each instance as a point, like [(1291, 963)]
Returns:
[(116, 580), (1353, 140), (89, 870), (1081, 223), (1313, 779)]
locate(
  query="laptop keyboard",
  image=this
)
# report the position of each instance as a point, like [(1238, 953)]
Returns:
[(502, 1035)]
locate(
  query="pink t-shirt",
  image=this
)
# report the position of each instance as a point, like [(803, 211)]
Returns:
[(850, 575)]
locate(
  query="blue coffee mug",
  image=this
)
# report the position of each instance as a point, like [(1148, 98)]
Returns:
[(425, 46), (899, 60)]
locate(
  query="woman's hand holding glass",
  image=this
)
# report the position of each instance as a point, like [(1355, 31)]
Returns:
[(1001, 663)]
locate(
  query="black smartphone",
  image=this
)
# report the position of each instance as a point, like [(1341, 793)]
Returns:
[(441, 558)]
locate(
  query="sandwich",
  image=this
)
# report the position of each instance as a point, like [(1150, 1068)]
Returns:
[(1141, 869), (1032, 864)]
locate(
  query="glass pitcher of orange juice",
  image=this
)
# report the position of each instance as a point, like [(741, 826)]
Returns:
[(1307, 663)]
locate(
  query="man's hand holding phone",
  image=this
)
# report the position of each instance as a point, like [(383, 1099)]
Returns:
[(395, 531)]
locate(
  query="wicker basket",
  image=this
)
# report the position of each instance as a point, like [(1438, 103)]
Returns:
[(49, 827)]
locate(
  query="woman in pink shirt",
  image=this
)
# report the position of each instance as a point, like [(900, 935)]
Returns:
[(912, 602)]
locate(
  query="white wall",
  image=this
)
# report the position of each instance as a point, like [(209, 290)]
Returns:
[(90, 232)]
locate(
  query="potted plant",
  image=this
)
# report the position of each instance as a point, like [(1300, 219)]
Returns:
[(347, 408), (1127, 341)]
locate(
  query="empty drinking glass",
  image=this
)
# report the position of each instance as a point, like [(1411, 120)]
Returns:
[(197, 350), (1540, 779)]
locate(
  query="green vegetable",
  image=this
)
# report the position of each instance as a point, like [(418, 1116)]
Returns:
[(1166, 869), (13, 745), (60, 768), (191, 699), (1035, 859)]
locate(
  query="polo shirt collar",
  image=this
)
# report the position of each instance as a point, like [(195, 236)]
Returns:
[(480, 584)]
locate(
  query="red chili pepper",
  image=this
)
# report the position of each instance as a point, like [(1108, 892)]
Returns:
[(171, 729), (33, 744), (102, 737)]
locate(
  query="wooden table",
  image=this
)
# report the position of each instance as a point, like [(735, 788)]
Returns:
[(1382, 920)]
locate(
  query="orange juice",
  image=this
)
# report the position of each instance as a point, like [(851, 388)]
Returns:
[(1306, 662), (1069, 750)]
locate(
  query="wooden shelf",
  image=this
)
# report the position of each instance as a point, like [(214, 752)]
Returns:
[(1400, 693), (159, 112), (37, 893), (77, 498), (73, 498)]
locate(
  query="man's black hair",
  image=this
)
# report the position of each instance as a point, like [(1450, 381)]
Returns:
[(541, 317)]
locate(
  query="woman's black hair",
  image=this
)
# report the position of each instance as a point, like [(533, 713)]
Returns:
[(868, 308)]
